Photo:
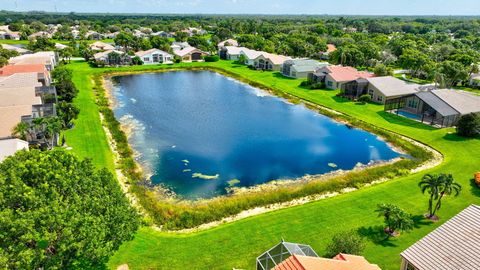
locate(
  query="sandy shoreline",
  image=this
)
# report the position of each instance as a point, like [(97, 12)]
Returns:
[(436, 160)]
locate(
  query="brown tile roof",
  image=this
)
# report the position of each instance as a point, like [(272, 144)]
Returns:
[(331, 48), (10, 117), (339, 262)]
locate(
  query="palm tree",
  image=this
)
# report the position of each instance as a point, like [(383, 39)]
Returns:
[(431, 183), (21, 130), (395, 218), (53, 126), (449, 186)]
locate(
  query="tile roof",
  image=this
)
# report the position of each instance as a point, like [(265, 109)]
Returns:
[(276, 59), (234, 50), (331, 48), (252, 54), (14, 48), (143, 53), (391, 86), (106, 53), (10, 117), (16, 96), (22, 68), (339, 262), (452, 246), (230, 41), (20, 80), (346, 74), (101, 46), (186, 51)]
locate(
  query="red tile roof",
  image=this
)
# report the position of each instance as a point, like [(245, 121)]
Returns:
[(331, 48), (345, 74), (13, 69), (339, 262)]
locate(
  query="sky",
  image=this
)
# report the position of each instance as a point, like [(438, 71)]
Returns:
[(335, 7)]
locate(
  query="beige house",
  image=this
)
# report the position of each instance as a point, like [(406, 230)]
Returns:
[(154, 56), (190, 54), (101, 46), (268, 61)]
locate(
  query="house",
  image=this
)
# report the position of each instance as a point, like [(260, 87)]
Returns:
[(39, 34), (112, 35), (384, 88), (300, 68), (154, 56), (250, 56), (228, 42), (162, 34), (19, 50), (112, 58), (326, 55), (191, 31), (7, 71), (179, 45), (475, 80), (268, 61), (101, 46), (453, 245), (292, 256), (8, 147), (439, 107), (231, 52), (337, 77), (5, 33), (94, 35), (190, 54), (60, 46), (48, 59), (139, 34)]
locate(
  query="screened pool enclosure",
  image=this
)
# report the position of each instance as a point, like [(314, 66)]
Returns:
[(281, 252)]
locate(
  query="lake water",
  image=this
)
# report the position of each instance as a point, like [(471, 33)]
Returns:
[(198, 132)]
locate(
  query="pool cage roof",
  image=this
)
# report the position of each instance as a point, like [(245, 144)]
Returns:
[(281, 252)]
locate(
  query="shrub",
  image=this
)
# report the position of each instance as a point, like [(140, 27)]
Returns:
[(177, 59), (365, 98), (137, 61), (211, 58), (349, 242), (469, 125)]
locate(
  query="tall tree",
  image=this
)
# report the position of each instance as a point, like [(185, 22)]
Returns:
[(57, 212)]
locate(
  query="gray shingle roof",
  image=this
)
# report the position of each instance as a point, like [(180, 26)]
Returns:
[(461, 101), (453, 246), (436, 103), (391, 86)]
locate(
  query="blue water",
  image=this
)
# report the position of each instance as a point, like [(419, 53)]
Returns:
[(201, 123)]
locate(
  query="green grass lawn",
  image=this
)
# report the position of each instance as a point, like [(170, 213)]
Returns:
[(237, 244)]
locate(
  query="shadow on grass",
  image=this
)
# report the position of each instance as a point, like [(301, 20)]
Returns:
[(420, 220), (474, 188), (280, 75), (457, 138), (376, 235), (399, 120), (340, 99)]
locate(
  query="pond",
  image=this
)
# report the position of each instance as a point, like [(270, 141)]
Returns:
[(198, 133)]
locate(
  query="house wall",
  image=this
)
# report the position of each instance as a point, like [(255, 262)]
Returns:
[(377, 96), (330, 83), (162, 58)]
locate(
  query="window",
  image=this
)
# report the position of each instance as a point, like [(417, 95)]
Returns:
[(329, 83), (379, 98), (412, 103), (146, 59)]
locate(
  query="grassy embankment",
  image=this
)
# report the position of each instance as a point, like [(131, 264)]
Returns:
[(237, 244)]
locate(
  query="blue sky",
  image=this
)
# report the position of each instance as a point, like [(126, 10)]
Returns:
[(350, 7)]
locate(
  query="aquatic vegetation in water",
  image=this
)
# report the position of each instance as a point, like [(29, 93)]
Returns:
[(206, 177), (332, 165), (233, 182), (187, 170)]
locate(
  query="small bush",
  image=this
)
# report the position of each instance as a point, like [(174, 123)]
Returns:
[(348, 242), (469, 125), (136, 61), (211, 58), (177, 59), (365, 99)]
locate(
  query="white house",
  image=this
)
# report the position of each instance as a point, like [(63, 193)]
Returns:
[(176, 46), (9, 147), (228, 42), (250, 56), (231, 52), (101, 46), (154, 56)]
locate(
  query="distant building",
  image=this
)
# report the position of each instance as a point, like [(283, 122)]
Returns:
[(326, 55), (291, 256), (179, 45), (228, 42), (94, 35), (475, 80), (112, 58), (300, 68), (48, 59), (19, 50), (190, 54), (454, 245), (154, 56), (101, 46)]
